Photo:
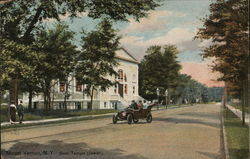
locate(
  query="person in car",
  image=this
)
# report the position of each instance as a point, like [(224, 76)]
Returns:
[(133, 105), (145, 104), (140, 105)]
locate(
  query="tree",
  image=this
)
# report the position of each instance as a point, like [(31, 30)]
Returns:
[(97, 58), (60, 54), (15, 63), (21, 21), (28, 16), (158, 69), (228, 28)]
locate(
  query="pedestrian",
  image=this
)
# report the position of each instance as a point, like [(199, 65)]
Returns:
[(12, 112), (20, 112)]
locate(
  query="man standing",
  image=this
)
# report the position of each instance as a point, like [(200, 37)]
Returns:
[(20, 111)]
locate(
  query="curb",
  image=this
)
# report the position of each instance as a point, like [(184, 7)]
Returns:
[(224, 137), (238, 113)]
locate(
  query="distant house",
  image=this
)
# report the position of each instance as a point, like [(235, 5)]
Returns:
[(113, 98)]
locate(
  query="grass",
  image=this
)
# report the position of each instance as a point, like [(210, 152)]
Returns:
[(237, 136), (40, 115)]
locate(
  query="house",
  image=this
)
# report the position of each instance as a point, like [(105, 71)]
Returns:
[(114, 97)]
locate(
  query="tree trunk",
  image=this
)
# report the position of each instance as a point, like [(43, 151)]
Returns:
[(45, 101), (47, 96), (53, 97), (30, 100), (49, 100), (243, 104), (91, 98), (66, 95)]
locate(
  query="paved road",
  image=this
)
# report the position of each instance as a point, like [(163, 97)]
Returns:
[(182, 133)]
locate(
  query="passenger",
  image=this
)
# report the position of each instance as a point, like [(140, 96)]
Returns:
[(145, 104), (140, 105)]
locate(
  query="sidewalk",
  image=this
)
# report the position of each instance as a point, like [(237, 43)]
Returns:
[(238, 113), (56, 119)]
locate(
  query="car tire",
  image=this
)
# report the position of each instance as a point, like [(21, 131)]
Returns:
[(149, 118), (130, 118), (136, 120), (114, 119)]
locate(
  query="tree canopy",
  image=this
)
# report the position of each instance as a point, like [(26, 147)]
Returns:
[(228, 28), (159, 69), (22, 26), (21, 18), (97, 59)]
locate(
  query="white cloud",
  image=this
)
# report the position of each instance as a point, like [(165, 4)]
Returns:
[(155, 21), (152, 22), (181, 37)]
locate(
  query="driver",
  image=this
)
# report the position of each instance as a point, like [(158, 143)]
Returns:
[(133, 105)]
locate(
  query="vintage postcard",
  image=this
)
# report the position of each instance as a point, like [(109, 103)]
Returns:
[(124, 79)]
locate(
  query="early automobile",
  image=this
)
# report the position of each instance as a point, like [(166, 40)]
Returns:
[(133, 115)]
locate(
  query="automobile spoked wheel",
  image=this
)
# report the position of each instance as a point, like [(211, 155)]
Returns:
[(114, 119), (149, 118), (136, 120), (130, 118)]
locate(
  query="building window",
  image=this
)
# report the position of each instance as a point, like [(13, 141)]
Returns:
[(105, 104), (62, 86), (126, 89), (133, 89), (79, 86), (115, 89), (125, 77), (78, 105), (120, 75)]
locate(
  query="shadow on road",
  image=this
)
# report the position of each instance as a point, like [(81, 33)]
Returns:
[(187, 121), (56, 149), (202, 115), (211, 155)]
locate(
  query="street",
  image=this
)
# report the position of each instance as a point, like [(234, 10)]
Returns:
[(191, 132)]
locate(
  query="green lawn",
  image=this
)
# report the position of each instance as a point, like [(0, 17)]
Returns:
[(237, 136), (38, 115)]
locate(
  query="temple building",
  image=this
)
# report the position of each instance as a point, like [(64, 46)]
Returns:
[(114, 97)]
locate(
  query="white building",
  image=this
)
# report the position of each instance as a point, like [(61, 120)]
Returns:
[(114, 97)]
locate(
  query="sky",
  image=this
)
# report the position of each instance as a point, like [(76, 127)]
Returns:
[(174, 22)]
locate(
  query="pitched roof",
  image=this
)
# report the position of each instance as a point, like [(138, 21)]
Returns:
[(123, 54)]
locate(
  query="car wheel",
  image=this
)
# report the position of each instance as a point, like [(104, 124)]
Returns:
[(149, 118), (114, 119), (130, 118)]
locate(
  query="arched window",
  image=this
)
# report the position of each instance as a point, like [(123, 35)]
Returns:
[(133, 89), (120, 75), (115, 89)]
